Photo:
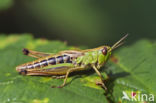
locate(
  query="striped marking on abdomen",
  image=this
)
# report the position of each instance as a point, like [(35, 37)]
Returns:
[(47, 62)]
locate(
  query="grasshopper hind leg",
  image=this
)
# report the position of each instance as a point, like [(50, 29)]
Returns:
[(34, 54)]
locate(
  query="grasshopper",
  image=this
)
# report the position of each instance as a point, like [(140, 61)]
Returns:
[(61, 64)]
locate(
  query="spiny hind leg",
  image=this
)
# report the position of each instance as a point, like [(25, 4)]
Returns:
[(65, 80), (59, 77), (101, 77), (34, 54)]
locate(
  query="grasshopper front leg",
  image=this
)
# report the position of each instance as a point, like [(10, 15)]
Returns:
[(101, 77)]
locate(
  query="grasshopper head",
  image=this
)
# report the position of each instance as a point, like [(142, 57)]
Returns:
[(103, 55), (106, 51)]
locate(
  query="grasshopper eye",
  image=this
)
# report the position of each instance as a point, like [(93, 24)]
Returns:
[(104, 51)]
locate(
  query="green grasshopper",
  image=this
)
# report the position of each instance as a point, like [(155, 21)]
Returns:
[(60, 65)]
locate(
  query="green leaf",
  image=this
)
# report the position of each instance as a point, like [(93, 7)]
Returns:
[(35, 89)]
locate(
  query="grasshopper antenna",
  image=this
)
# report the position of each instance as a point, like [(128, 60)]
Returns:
[(118, 43)]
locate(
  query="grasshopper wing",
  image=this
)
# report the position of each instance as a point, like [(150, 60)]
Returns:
[(72, 53)]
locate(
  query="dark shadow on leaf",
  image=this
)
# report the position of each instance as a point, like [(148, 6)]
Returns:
[(77, 76), (110, 84)]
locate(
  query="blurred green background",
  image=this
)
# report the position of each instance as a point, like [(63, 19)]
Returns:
[(80, 22)]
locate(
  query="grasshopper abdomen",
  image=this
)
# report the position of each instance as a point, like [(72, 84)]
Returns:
[(44, 62)]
